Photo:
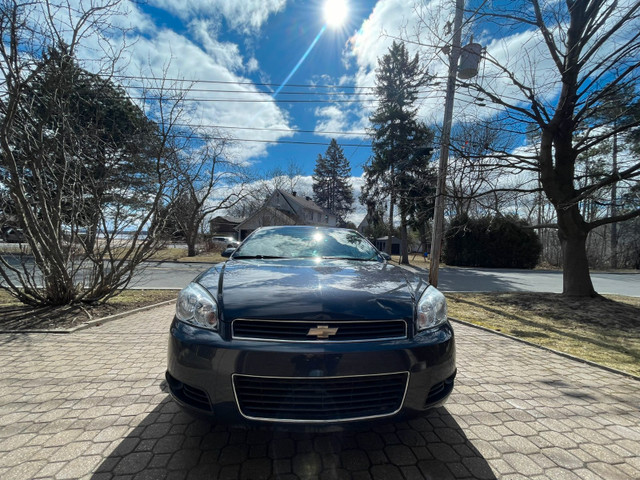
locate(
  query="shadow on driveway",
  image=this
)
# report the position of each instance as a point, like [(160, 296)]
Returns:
[(170, 443)]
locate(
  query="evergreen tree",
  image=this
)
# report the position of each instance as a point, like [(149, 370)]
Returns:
[(87, 124), (401, 144), (331, 187), (80, 163)]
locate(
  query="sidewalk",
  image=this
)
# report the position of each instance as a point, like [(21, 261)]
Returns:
[(93, 404)]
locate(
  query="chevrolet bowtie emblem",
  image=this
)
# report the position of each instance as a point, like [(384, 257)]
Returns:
[(322, 331)]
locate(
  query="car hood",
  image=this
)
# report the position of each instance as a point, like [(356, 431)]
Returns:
[(307, 289)]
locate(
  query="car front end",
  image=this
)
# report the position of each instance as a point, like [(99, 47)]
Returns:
[(312, 341)]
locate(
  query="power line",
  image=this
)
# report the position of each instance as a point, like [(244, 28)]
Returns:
[(438, 79), (212, 90), (246, 100), (254, 140), (264, 129), (229, 82), (269, 100)]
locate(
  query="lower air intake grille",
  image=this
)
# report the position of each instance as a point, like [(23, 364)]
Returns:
[(188, 394), (320, 399)]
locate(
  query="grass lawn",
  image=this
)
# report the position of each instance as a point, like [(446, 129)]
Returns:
[(180, 255), (604, 330), (15, 316)]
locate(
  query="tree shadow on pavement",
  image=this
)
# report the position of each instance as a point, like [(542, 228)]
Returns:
[(169, 443), (481, 280)]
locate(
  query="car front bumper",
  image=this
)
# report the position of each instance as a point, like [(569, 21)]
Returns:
[(207, 373)]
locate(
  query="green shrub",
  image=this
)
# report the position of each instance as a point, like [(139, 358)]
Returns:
[(494, 242)]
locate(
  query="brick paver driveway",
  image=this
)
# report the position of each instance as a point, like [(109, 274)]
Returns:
[(93, 404)]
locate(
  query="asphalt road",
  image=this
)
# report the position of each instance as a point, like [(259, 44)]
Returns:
[(177, 275)]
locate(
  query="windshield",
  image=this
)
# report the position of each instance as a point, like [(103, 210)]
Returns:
[(301, 242)]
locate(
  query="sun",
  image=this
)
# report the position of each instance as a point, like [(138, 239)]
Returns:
[(335, 12)]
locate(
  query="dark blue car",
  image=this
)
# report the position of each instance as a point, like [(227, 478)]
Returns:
[(310, 325)]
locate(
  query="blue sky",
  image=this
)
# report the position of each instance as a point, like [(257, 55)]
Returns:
[(235, 54), (261, 46)]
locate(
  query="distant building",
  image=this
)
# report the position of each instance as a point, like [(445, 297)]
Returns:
[(381, 244), (364, 224), (224, 226), (283, 208)]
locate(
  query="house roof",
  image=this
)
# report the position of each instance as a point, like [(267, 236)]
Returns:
[(266, 210), (227, 219), (302, 201)]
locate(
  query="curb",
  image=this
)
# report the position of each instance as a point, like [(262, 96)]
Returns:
[(551, 350), (187, 262), (91, 323)]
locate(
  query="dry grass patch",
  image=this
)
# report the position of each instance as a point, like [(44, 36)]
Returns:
[(16, 316), (605, 330), (180, 255), (207, 257)]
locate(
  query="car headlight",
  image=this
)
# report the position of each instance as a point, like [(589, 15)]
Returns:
[(432, 309), (196, 306)]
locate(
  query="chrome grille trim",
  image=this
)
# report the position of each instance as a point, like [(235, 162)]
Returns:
[(324, 420), (309, 324)]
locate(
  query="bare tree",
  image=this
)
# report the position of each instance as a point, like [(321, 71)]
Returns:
[(572, 58), (476, 182), (260, 187), (206, 181), (63, 177)]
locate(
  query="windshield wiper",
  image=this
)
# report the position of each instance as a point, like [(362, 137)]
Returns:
[(370, 259), (259, 257)]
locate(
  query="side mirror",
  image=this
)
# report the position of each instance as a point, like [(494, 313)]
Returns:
[(227, 253), (386, 256)]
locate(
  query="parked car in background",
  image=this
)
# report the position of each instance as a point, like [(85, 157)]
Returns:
[(12, 235), (226, 242), (312, 326)]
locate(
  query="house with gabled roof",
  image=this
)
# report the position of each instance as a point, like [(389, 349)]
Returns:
[(224, 225), (283, 208)]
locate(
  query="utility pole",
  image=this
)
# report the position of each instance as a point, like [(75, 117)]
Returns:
[(438, 212), (614, 199)]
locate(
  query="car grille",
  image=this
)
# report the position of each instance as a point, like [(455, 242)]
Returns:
[(323, 331), (320, 399)]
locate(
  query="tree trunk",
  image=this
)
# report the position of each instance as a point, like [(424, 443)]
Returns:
[(191, 239), (90, 237), (558, 182), (390, 236), (404, 250), (191, 247), (614, 200), (576, 280)]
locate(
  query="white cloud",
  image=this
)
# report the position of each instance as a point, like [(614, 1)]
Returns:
[(225, 54), (242, 15), (211, 68), (522, 52), (389, 20), (252, 65), (181, 58), (339, 119)]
